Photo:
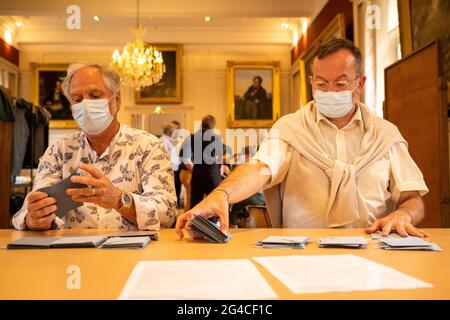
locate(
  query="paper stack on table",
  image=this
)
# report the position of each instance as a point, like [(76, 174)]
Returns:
[(64, 202), (126, 242), (283, 242), (65, 242), (408, 243), (79, 242), (209, 230), (343, 242), (154, 235), (119, 241)]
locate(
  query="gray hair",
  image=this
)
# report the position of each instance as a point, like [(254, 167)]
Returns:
[(111, 78)]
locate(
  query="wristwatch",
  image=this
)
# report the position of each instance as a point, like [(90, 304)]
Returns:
[(126, 200)]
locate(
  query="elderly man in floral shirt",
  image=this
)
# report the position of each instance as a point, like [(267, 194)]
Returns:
[(127, 171)]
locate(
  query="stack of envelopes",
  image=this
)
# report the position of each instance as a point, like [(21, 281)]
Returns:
[(209, 230), (408, 243), (296, 242), (127, 239), (343, 242), (65, 242), (126, 242)]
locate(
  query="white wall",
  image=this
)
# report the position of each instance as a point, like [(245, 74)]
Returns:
[(204, 75)]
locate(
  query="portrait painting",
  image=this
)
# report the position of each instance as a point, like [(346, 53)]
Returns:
[(253, 94), (48, 93), (169, 88)]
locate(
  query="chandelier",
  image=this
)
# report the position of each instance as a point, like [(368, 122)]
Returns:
[(139, 64)]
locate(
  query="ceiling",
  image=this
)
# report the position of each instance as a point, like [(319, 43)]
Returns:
[(167, 21)]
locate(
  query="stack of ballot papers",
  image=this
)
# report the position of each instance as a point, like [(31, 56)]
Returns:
[(64, 202), (343, 242), (408, 243), (209, 230), (126, 242), (117, 240), (65, 242), (154, 235), (283, 242)]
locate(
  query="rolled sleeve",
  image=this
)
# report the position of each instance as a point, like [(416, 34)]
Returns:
[(18, 219), (156, 205), (405, 174), (277, 155)]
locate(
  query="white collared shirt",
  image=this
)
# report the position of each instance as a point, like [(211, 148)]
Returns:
[(306, 188), (171, 150), (135, 161)]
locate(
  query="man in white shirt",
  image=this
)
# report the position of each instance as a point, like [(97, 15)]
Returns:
[(332, 163), (166, 138), (127, 171)]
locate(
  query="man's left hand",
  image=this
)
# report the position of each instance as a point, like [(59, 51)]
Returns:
[(398, 221), (101, 191)]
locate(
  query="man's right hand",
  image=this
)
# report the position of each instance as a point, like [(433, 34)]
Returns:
[(214, 205), (41, 211)]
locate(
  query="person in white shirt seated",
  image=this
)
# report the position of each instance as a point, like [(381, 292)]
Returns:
[(128, 171), (333, 163)]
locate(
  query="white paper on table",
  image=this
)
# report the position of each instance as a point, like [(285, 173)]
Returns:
[(197, 279), (336, 273)]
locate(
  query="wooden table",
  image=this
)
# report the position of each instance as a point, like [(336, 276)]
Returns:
[(41, 274)]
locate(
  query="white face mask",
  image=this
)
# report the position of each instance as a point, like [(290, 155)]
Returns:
[(92, 115), (333, 104)]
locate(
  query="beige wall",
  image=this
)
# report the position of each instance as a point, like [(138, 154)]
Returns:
[(204, 76)]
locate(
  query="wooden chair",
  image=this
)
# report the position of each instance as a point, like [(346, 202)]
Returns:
[(257, 217)]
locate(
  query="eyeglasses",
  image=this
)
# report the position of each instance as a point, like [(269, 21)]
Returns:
[(338, 85)]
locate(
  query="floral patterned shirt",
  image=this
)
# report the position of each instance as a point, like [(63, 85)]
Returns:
[(135, 161)]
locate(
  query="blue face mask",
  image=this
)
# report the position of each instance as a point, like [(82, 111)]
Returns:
[(92, 115)]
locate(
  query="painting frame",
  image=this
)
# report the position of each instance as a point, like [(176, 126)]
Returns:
[(38, 70), (405, 27), (336, 27), (140, 97), (232, 66)]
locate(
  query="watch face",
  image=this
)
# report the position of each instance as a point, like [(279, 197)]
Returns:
[(126, 199)]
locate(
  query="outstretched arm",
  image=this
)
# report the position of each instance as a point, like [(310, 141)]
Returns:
[(243, 182)]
